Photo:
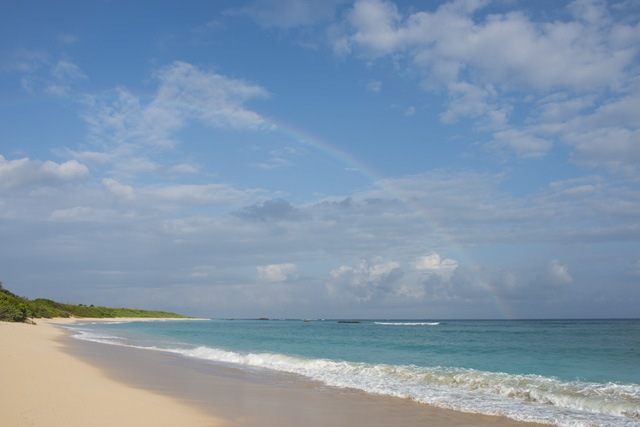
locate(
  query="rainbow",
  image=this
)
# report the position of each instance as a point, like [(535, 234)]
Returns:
[(241, 118), (352, 163)]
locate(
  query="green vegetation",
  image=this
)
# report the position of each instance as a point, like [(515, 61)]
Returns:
[(20, 309)]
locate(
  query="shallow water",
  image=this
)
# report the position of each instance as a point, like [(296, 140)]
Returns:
[(561, 372)]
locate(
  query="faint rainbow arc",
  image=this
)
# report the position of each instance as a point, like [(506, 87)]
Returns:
[(239, 117), (351, 162)]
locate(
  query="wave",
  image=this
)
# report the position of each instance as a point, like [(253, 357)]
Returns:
[(520, 397), (408, 323), (95, 337)]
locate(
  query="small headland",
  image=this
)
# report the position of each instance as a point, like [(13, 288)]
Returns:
[(14, 308)]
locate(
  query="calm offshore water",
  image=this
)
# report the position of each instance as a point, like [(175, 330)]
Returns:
[(560, 372)]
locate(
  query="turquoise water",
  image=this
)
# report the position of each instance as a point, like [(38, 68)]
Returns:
[(560, 372)]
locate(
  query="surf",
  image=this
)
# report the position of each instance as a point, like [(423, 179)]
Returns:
[(406, 359), (408, 324)]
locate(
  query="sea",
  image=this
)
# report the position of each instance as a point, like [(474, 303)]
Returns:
[(557, 372)]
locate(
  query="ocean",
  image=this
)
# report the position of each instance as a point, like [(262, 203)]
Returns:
[(558, 372)]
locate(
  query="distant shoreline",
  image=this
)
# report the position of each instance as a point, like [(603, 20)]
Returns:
[(74, 320), (15, 308)]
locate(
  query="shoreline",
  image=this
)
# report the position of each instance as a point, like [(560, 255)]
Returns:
[(190, 392), (74, 320)]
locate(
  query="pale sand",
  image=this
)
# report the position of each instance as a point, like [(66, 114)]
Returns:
[(72, 320), (40, 385), (54, 380)]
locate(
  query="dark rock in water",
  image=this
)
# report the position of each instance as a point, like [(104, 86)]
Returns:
[(348, 321)]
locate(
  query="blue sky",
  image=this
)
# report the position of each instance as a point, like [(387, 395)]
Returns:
[(454, 159)]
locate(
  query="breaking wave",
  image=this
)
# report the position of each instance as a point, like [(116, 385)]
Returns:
[(408, 323)]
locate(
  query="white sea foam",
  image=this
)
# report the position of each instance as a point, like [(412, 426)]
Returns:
[(96, 337), (520, 397), (408, 324)]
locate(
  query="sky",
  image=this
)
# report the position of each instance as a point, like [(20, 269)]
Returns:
[(473, 159)]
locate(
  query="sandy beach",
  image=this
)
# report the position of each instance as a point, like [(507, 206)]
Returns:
[(44, 386), (51, 379)]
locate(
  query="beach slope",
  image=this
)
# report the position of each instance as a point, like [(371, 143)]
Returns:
[(40, 385)]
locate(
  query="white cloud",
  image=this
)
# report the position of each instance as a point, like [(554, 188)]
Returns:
[(200, 195), (200, 272), (616, 149), (123, 191), (24, 172), (198, 275), (375, 24), (41, 74), (68, 39), (212, 98), (94, 157), (485, 62), (124, 128), (28, 63), (65, 74), (374, 86), (136, 164), (407, 282), (82, 213), (273, 163), (370, 279), (604, 137), (277, 272), (558, 274), (182, 168), (466, 100), (170, 198), (591, 11), (433, 264), (560, 107), (290, 13), (523, 144), (116, 123), (273, 210)]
